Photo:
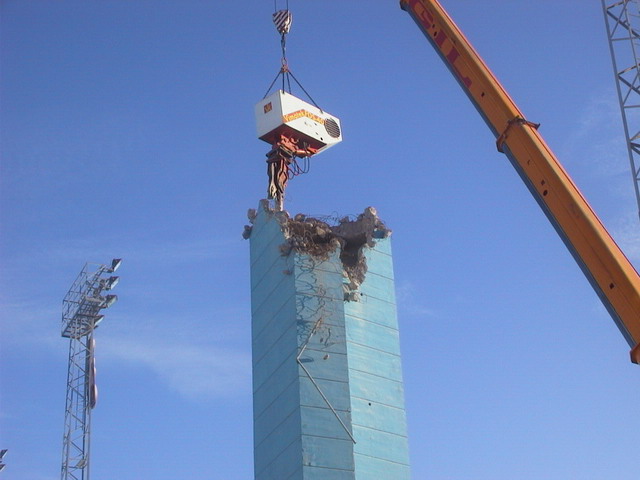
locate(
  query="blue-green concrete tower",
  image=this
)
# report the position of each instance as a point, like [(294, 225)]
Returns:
[(327, 379)]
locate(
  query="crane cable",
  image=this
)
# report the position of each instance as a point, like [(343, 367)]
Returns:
[(282, 20), (275, 5)]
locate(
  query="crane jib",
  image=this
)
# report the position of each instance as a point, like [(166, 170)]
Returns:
[(604, 264)]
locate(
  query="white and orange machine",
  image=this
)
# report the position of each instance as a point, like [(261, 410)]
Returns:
[(283, 114)]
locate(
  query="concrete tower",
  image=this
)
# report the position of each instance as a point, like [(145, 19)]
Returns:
[(327, 380)]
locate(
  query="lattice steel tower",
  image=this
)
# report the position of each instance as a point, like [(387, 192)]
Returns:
[(622, 19), (81, 315)]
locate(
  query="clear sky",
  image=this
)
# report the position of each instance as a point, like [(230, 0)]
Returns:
[(128, 131)]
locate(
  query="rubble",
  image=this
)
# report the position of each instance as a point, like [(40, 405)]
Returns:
[(318, 239)]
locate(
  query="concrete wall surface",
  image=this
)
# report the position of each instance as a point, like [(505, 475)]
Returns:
[(327, 379)]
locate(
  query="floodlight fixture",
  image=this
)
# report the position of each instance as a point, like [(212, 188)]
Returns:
[(97, 320), (109, 283), (102, 302), (99, 301), (115, 264), (109, 300)]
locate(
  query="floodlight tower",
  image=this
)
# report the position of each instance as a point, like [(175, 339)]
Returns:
[(81, 315), (622, 18)]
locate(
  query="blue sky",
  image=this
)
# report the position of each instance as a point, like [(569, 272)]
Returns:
[(127, 131)]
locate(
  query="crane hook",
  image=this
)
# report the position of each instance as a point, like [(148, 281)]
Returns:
[(282, 20)]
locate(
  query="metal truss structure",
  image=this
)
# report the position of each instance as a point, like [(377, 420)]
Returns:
[(81, 315), (622, 19)]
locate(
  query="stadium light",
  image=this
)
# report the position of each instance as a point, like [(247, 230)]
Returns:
[(97, 320), (110, 300), (115, 264), (109, 283)]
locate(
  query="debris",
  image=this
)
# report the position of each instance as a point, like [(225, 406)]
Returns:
[(318, 239)]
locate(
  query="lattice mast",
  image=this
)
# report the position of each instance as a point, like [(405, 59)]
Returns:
[(81, 315), (622, 19)]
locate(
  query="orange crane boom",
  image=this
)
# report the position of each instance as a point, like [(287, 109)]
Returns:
[(608, 270)]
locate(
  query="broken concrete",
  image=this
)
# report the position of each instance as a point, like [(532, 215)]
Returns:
[(318, 239)]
